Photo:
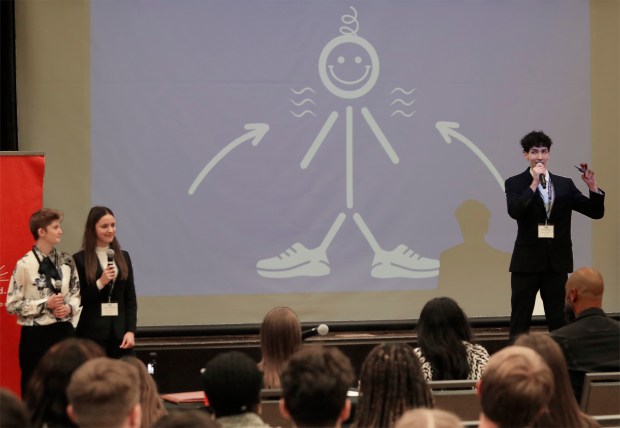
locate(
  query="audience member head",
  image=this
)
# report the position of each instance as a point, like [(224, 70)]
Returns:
[(43, 218), (515, 388), (535, 139), (190, 418), (105, 393), (13, 413), (150, 401), (280, 337), (584, 290), (46, 397), (428, 418), (563, 408), (390, 383), (442, 329), (232, 384), (315, 382)]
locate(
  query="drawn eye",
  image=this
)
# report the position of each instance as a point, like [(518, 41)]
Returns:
[(358, 60), (340, 60)]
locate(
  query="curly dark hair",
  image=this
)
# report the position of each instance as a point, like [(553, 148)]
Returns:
[(535, 139)]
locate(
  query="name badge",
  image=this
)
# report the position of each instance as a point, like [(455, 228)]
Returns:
[(545, 231), (109, 309)]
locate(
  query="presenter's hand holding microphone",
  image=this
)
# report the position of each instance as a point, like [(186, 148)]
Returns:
[(57, 299), (57, 302), (539, 172), (109, 273)]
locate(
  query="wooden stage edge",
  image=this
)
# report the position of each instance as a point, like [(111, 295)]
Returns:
[(178, 353)]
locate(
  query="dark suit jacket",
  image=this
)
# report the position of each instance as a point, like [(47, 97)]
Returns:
[(591, 343), (532, 254), (92, 325)]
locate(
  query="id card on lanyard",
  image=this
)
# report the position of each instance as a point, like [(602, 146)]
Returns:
[(546, 231)]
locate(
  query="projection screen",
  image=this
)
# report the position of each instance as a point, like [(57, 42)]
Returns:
[(343, 158)]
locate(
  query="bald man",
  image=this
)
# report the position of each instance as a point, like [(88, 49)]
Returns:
[(591, 342)]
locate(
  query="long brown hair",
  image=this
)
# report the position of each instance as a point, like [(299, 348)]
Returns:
[(89, 245), (152, 406), (45, 396), (391, 382), (563, 408), (280, 337)]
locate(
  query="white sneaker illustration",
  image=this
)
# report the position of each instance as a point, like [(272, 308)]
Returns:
[(402, 262), (297, 260)]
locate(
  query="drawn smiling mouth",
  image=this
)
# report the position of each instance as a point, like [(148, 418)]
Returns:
[(348, 82)]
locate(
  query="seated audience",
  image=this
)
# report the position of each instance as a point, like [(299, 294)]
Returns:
[(186, 418), (13, 413), (445, 343), (46, 397), (428, 418), (150, 401), (105, 393), (515, 388), (591, 342), (232, 384), (280, 337), (563, 408), (315, 382), (391, 382)]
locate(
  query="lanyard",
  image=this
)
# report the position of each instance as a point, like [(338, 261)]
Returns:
[(548, 203)]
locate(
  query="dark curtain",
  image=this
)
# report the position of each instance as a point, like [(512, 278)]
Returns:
[(8, 93)]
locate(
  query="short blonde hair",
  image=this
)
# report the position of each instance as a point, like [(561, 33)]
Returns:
[(103, 392), (428, 418), (515, 387)]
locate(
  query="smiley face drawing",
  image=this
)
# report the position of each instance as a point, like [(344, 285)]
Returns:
[(349, 68)]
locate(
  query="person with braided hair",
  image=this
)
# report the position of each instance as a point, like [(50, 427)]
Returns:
[(390, 383)]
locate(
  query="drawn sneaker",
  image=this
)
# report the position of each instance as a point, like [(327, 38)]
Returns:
[(402, 262), (296, 261)]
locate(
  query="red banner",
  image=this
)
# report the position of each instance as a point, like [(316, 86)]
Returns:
[(21, 194)]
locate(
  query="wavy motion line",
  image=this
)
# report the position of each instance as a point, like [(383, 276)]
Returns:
[(403, 91), (303, 113), (402, 113), (301, 103), (301, 91), (403, 102)]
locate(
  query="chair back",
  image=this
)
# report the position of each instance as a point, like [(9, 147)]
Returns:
[(457, 396), (601, 394)]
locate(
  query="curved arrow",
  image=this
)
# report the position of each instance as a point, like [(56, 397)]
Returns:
[(447, 131), (256, 133)]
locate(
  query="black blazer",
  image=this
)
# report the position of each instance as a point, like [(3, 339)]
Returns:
[(92, 325), (533, 254)]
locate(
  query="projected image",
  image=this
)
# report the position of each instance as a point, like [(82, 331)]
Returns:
[(268, 147)]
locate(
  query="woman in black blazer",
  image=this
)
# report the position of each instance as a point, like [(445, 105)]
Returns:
[(109, 304)]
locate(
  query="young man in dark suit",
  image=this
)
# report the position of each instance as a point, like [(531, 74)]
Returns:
[(542, 204)]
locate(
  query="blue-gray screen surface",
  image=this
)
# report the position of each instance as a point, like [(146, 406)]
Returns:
[(266, 147)]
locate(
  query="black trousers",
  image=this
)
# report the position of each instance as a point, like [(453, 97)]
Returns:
[(524, 288), (34, 343)]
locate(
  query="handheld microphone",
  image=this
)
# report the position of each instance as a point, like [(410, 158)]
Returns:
[(541, 178), (57, 286), (110, 253), (320, 330)]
